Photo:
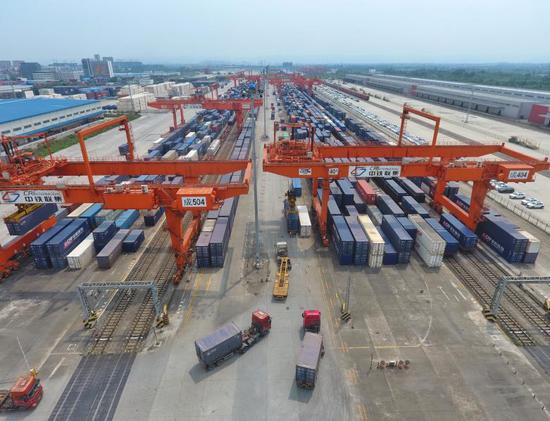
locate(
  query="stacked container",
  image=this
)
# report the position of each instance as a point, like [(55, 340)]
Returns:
[(151, 216), (219, 241), (466, 238), (108, 255), (412, 189), (342, 240), (66, 241), (387, 206), (90, 213), (399, 238), (533, 247), (408, 225), (103, 234), (39, 249), (502, 236), (83, 254), (374, 213), (429, 244), (21, 222), (452, 246), (360, 241), (127, 218), (297, 186), (132, 241), (78, 211), (106, 215), (304, 220), (366, 191), (411, 206), (376, 242), (391, 256)]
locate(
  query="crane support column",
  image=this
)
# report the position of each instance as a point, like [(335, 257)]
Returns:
[(321, 208), (479, 191), (129, 140)]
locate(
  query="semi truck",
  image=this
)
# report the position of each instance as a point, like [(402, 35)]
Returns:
[(26, 393), (312, 321), (307, 365), (220, 345)]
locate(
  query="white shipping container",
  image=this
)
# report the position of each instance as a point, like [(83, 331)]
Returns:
[(79, 211), (431, 260), (427, 237), (208, 225), (214, 147), (305, 221), (191, 156), (83, 254), (207, 139), (534, 243), (375, 260), (159, 140), (189, 135), (170, 155), (375, 214), (376, 242)]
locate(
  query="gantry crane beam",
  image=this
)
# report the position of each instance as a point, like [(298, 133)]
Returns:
[(22, 181), (446, 163)]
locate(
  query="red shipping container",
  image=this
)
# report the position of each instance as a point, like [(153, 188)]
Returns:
[(366, 191)]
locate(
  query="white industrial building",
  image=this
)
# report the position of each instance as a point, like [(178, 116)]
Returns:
[(505, 102), (37, 115), (160, 90)]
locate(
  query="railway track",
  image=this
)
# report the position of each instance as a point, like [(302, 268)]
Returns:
[(520, 318)]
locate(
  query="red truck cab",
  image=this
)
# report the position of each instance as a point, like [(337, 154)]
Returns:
[(261, 321), (312, 320), (27, 392)]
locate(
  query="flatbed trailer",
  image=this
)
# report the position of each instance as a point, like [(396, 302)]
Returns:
[(280, 287)]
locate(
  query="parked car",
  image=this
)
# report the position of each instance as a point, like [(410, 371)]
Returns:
[(535, 205), (505, 188), (527, 200), (517, 195)]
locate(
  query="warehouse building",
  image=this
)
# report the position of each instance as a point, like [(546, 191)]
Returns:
[(38, 115), (505, 102)]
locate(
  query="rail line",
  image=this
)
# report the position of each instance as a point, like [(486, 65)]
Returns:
[(520, 318)]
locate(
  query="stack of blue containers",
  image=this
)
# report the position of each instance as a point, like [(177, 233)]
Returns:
[(361, 242), (466, 238), (387, 206), (66, 240), (132, 241), (412, 189), (90, 214), (228, 210), (399, 238), (297, 186), (202, 249), (292, 219), (411, 206), (347, 191), (39, 250), (151, 217), (391, 257), (127, 218), (502, 236), (24, 224), (342, 240), (103, 234), (219, 241), (451, 244), (408, 225)]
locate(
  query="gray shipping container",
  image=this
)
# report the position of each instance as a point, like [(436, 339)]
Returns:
[(108, 255), (219, 344), (308, 360)]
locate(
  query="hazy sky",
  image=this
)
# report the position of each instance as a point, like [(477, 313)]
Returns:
[(182, 31)]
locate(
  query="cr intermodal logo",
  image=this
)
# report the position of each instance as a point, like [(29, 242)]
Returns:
[(10, 196)]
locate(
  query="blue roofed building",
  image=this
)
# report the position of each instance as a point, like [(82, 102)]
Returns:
[(52, 115)]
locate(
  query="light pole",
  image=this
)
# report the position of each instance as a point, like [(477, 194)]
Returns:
[(469, 104), (257, 264)]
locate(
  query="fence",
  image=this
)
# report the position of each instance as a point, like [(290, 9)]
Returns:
[(520, 210)]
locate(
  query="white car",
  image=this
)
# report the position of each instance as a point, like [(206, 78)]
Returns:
[(527, 200), (535, 205), (517, 195)]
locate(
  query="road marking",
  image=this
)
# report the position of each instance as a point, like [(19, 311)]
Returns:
[(458, 290), (444, 293), (56, 367), (456, 298)]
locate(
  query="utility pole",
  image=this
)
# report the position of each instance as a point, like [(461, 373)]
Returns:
[(265, 104), (255, 176)]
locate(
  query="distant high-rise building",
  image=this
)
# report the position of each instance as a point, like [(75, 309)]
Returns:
[(287, 64), (97, 67), (27, 69), (5, 64)]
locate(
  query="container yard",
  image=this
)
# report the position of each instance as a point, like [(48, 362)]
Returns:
[(127, 280)]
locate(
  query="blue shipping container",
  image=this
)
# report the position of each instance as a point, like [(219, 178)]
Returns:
[(466, 238)]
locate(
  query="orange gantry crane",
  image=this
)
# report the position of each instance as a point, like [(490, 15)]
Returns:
[(240, 106), (22, 178), (292, 158)]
